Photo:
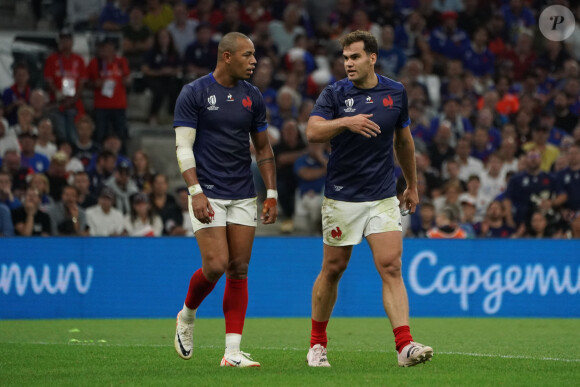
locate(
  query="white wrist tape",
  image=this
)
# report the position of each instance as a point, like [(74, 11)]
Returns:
[(195, 189), (272, 194), (184, 139)]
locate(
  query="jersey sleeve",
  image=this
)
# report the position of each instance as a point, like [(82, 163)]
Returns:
[(325, 106), (403, 121), (186, 108), (259, 123)]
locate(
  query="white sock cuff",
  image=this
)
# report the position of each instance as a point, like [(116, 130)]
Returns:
[(233, 341), (188, 315)]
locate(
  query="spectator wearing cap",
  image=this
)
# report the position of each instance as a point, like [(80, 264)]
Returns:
[(448, 41), (18, 94), (114, 15), (67, 217), (123, 186), (109, 76), (6, 226), (45, 141), (165, 205), (137, 39), (104, 219), (29, 219), (82, 183), (83, 15), (28, 156), (142, 220), (182, 28), (200, 56), (65, 76)]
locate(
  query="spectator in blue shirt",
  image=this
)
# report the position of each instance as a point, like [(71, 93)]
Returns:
[(114, 15), (391, 57), (567, 182), (449, 41), (7, 197), (28, 157), (517, 16), (477, 58)]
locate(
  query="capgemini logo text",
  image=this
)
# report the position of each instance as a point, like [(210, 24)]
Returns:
[(44, 281), (496, 280)]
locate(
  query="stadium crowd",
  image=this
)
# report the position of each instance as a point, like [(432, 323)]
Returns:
[(494, 109)]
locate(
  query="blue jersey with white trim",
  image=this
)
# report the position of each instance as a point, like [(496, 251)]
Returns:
[(361, 169), (223, 118)]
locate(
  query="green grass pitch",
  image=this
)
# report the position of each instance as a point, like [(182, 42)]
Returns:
[(468, 352)]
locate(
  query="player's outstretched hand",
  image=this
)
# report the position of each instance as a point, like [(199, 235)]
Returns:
[(202, 208), (269, 211), (410, 199), (362, 124)]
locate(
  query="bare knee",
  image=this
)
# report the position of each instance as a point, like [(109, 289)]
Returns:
[(214, 268), (332, 271), (238, 269), (390, 267)]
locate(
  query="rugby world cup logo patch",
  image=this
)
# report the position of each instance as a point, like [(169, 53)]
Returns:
[(211, 100), (349, 104)]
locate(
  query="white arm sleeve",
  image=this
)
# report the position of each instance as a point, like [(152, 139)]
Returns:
[(184, 139)]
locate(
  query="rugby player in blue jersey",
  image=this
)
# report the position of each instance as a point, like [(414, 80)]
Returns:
[(365, 117), (215, 117)]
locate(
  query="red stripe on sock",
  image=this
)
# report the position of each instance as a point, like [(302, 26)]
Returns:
[(199, 288), (235, 304), (402, 337), (318, 333)]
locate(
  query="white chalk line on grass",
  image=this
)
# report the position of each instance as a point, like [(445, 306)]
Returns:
[(472, 354)]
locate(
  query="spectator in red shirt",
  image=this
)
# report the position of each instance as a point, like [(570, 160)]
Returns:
[(18, 94), (65, 75), (109, 75)]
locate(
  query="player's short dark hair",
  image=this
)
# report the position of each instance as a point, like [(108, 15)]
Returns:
[(229, 42), (371, 45)]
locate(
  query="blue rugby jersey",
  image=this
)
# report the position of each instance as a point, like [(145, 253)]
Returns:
[(361, 169), (223, 117)]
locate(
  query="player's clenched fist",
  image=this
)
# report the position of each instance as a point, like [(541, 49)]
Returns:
[(269, 211)]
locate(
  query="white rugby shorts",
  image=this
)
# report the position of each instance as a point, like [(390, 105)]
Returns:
[(241, 211), (345, 223)]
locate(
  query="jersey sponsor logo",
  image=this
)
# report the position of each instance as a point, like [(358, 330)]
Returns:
[(370, 100), (208, 186), (247, 102), (230, 98), (388, 101), (349, 104), (336, 234), (211, 99), (338, 188)]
